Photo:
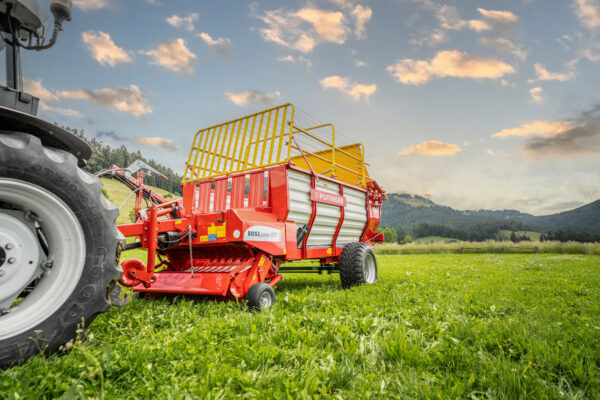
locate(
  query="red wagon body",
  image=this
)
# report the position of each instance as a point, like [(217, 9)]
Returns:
[(248, 209)]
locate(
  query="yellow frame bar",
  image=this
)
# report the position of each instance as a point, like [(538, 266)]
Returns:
[(242, 145)]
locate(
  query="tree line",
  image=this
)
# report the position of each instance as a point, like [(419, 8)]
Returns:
[(488, 230), (103, 156)]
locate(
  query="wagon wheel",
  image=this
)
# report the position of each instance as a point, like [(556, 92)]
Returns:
[(358, 264), (59, 248), (260, 296)]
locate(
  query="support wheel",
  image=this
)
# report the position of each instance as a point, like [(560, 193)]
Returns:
[(59, 261), (260, 296), (357, 265)]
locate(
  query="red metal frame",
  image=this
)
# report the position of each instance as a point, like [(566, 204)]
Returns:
[(223, 249)]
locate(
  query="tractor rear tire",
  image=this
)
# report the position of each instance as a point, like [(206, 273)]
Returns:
[(51, 206), (358, 264), (260, 296)]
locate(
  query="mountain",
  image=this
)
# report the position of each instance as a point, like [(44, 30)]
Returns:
[(405, 210), (583, 219)]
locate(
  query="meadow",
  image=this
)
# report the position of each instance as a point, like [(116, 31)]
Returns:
[(482, 326)]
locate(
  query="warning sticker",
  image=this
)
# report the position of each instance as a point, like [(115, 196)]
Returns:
[(262, 234)]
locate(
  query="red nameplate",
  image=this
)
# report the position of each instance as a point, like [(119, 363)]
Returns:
[(327, 198)]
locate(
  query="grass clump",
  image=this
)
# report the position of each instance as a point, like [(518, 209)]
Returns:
[(434, 326)]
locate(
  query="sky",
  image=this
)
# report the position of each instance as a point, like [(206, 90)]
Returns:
[(472, 103)]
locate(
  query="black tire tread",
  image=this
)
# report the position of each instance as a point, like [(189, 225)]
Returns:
[(352, 263), (23, 156), (254, 293)]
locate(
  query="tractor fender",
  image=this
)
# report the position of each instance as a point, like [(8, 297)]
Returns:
[(50, 134)]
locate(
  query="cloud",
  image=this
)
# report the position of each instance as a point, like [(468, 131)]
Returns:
[(220, 45), (361, 16), (67, 112), (490, 152), (110, 134), (431, 148), (303, 29), (450, 19), (588, 12), (91, 5), (582, 136), (125, 99), (360, 64), (431, 38), (451, 63), (536, 128), (36, 89), (103, 49), (186, 22), (251, 96), (542, 74), (502, 17), (537, 95), (353, 90), (302, 62), (161, 143), (174, 56), (504, 45)]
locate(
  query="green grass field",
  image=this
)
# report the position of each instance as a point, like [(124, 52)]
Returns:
[(435, 326), (121, 196)]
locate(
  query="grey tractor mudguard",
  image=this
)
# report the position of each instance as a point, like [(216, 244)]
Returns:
[(50, 134)]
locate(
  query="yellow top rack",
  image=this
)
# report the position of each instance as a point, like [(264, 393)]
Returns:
[(269, 138)]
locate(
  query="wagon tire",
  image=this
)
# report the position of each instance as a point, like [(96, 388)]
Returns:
[(358, 264), (260, 296), (74, 265)]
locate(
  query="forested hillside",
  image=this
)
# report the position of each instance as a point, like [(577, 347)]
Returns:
[(412, 211), (104, 156)]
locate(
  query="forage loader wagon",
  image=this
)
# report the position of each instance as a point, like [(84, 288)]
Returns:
[(253, 199), (259, 192)]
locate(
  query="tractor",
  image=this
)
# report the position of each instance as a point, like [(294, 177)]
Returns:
[(261, 194)]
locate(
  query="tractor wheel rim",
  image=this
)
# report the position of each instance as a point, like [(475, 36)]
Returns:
[(370, 269), (59, 271), (266, 300)]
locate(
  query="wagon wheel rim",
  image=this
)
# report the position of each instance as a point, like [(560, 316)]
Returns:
[(47, 246), (265, 300), (370, 269)]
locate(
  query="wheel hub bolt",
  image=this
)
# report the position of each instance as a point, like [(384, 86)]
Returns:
[(12, 260), (9, 246)]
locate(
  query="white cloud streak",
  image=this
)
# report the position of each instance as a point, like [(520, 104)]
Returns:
[(103, 49), (542, 74), (92, 5), (130, 99), (354, 91), (186, 22), (220, 45), (173, 55), (251, 96), (301, 61), (537, 95), (35, 88), (588, 12), (159, 142), (433, 148), (451, 63)]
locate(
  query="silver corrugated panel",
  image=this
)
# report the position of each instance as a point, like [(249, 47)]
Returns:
[(328, 216), (326, 219), (355, 217), (299, 191)]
